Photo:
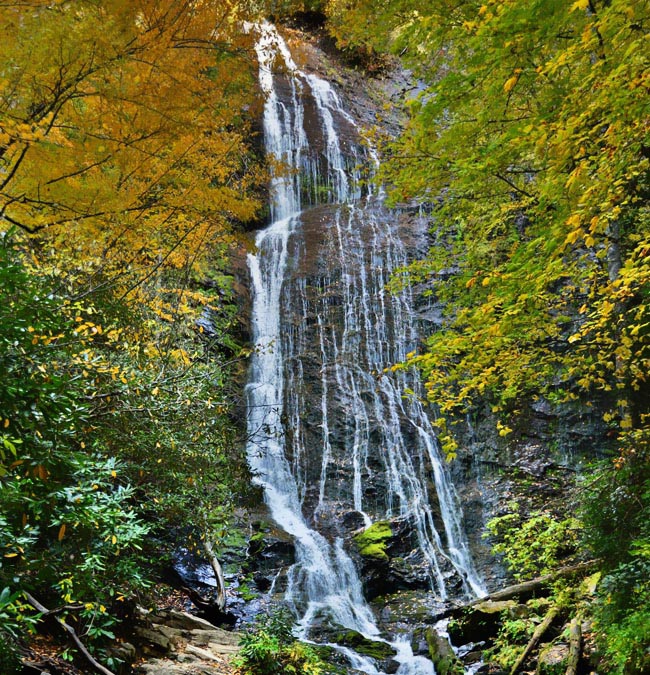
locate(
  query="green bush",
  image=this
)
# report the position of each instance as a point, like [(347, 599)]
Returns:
[(10, 663), (535, 545), (270, 648), (616, 512)]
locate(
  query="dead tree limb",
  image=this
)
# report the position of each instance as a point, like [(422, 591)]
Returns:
[(72, 633), (218, 575), (524, 590), (217, 600), (575, 646), (532, 643)]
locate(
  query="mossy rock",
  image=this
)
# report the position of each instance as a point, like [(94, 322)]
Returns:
[(363, 645), (372, 542), (442, 655)]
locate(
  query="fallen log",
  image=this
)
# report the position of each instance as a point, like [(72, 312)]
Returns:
[(534, 640), (524, 590), (575, 646)]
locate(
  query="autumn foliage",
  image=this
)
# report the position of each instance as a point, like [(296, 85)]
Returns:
[(127, 165)]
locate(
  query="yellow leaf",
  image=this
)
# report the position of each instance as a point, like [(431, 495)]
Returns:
[(61, 532), (510, 83), (114, 539), (580, 4), (6, 423)]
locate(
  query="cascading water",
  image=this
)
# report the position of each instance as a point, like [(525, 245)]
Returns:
[(327, 336)]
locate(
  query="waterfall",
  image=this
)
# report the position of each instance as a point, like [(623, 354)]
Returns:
[(324, 416)]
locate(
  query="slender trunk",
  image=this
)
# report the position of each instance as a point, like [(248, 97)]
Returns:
[(218, 575), (73, 635), (614, 263)]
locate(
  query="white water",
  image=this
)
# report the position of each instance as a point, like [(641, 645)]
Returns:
[(359, 330)]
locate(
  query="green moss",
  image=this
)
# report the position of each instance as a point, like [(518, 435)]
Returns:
[(372, 542), (363, 645)]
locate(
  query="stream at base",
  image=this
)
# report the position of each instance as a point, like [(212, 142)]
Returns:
[(333, 431)]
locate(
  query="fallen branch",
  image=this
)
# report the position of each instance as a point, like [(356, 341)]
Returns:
[(72, 633), (575, 645), (526, 589), (532, 643)]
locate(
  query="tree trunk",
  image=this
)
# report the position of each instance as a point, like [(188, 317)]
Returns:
[(614, 262), (218, 575), (526, 589)]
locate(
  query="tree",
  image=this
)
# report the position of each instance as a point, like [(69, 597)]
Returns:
[(121, 128), (126, 166), (530, 144)]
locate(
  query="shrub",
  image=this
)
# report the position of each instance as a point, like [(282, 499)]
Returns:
[(270, 648)]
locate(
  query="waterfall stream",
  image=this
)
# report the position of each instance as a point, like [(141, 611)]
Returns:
[(326, 419)]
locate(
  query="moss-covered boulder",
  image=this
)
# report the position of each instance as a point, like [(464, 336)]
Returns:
[(373, 541), (553, 659), (363, 645), (442, 655)]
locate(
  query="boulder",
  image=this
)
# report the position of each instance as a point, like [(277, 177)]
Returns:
[(553, 659), (443, 656)]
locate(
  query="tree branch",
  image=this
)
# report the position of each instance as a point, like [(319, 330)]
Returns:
[(71, 632)]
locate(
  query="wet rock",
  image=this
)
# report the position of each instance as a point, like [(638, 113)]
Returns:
[(416, 607), (363, 645), (270, 550), (352, 520), (326, 631), (409, 573), (388, 560)]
